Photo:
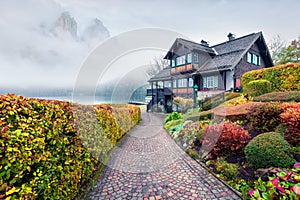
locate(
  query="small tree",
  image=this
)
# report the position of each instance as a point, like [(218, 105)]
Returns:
[(157, 64), (282, 53)]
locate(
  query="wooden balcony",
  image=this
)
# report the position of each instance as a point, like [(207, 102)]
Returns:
[(182, 69)]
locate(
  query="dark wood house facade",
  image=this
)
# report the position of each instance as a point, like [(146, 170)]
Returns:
[(198, 70)]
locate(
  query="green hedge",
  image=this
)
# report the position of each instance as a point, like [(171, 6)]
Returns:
[(269, 150), (257, 87), (283, 77), (279, 96), (52, 149)]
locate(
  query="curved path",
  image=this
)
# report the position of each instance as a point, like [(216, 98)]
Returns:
[(148, 164)]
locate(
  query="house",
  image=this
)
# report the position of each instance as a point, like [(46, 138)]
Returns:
[(197, 70)]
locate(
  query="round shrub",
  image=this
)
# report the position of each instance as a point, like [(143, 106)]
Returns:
[(258, 87), (264, 117), (269, 150), (225, 138), (173, 116)]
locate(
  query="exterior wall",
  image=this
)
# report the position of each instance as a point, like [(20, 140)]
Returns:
[(243, 66)]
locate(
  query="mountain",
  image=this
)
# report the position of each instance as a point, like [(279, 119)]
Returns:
[(65, 24), (95, 32)]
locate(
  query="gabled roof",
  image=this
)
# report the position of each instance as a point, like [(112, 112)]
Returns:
[(192, 46), (231, 52), (164, 74), (224, 56)]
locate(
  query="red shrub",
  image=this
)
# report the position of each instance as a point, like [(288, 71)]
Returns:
[(290, 118), (225, 138)]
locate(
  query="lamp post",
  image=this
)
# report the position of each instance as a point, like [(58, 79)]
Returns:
[(195, 94)]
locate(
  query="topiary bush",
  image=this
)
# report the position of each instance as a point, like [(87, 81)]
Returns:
[(224, 139), (257, 87), (279, 96), (173, 116), (264, 117), (269, 150)]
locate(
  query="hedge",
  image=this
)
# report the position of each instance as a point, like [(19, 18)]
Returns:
[(52, 149), (283, 77), (279, 96)]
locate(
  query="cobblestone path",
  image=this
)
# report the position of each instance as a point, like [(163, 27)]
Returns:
[(148, 164)]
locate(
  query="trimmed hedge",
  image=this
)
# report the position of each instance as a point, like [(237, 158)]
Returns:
[(279, 96), (201, 116), (283, 77), (258, 87), (269, 150), (52, 149)]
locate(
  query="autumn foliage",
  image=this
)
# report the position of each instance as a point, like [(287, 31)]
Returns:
[(225, 138), (53, 148)]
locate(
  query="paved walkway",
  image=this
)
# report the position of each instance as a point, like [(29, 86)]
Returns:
[(148, 164)]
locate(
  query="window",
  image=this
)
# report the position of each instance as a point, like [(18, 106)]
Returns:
[(182, 82), (253, 59), (210, 82), (249, 57), (175, 83), (167, 84), (189, 58), (160, 84), (196, 59), (172, 63), (191, 82), (180, 60)]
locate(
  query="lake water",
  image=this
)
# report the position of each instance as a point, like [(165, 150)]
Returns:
[(81, 100)]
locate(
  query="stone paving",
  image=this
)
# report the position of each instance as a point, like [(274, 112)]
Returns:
[(148, 164)]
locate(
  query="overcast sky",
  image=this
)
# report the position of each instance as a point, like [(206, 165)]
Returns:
[(29, 56), (198, 19)]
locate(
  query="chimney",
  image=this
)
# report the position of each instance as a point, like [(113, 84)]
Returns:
[(204, 43), (231, 36)]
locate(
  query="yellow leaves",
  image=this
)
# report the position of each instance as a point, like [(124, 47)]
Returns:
[(11, 191), (28, 168)]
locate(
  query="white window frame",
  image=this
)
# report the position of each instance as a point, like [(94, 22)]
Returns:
[(191, 82), (210, 82), (249, 57), (175, 83), (180, 60), (182, 83), (189, 58)]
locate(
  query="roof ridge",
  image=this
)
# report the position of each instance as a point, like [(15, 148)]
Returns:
[(237, 39), (194, 42)]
